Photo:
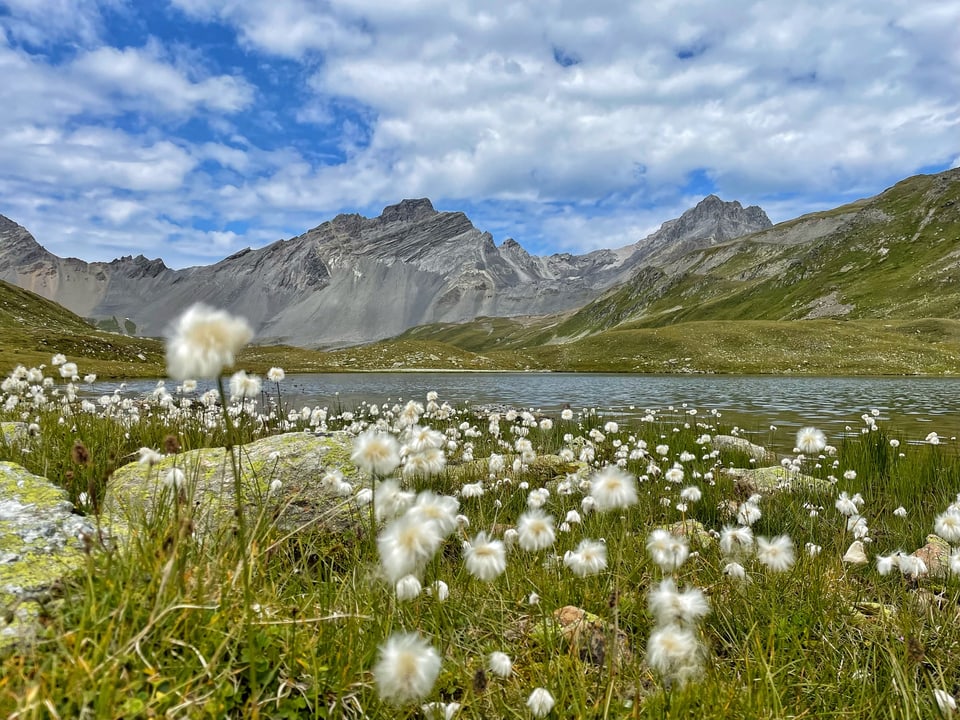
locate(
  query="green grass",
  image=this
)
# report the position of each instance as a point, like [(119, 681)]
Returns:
[(159, 623)]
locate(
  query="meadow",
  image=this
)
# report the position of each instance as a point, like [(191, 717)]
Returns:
[(485, 564)]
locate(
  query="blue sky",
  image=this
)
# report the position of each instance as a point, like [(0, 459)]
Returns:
[(189, 129)]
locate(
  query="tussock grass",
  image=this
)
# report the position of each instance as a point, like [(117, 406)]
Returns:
[(159, 624)]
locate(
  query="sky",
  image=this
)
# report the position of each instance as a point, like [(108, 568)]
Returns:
[(190, 129)]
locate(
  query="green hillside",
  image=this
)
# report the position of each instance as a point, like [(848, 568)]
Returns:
[(33, 329)]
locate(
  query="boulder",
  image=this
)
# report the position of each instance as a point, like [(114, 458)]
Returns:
[(935, 555), (14, 432), (297, 460), (41, 540), (774, 479), (739, 444)]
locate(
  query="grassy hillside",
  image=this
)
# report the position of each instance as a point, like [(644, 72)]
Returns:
[(896, 255), (33, 329)]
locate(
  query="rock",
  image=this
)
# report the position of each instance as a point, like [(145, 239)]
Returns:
[(739, 444), (14, 432), (855, 554), (935, 555), (693, 530), (41, 540), (774, 479), (588, 635), (297, 460)]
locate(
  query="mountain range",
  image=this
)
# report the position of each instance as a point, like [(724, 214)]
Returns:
[(355, 279)]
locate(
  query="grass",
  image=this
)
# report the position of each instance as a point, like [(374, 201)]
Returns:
[(159, 623)]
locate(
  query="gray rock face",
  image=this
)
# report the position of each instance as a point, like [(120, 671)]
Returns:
[(355, 279), (41, 540)]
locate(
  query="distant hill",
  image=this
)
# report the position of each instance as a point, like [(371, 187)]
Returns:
[(355, 279)]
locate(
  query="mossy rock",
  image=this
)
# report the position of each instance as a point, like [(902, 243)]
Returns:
[(775, 479), (739, 444), (14, 433), (41, 541), (298, 460)]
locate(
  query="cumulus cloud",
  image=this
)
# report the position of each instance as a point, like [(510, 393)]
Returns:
[(569, 126)]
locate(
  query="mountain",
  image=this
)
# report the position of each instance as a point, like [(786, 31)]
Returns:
[(355, 279), (892, 257)]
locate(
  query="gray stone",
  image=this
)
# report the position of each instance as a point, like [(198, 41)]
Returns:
[(14, 433), (739, 444), (775, 479), (41, 540), (297, 460)]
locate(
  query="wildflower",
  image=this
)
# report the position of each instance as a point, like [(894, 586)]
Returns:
[(810, 440), (748, 513), (68, 370), (533, 599), (566, 414), (612, 489), (777, 553), (540, 702), (439, 509), (691, 494), (204, 341), (886, 563), (932, 438), (485, 559), (440, 711), (500, 664), (955, 561), (735, 570), (275, 374), (900, 512), (58, 359), (391, 500), (912, 566), (850, 475), (407, 669), (376, 453), (734, 541), (426, 463), (670, 606), (667, 551), (472, 490), (674, 475), (440, 588), (275, 487), (812, 549), (947, 526), (535, 530), (589, 558), (675, 653), (407, 588), (174, 478), (846, 505), (406, 545), (945, 701)]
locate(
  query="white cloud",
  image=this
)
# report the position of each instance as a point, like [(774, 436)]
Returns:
[(40, 22), (141, 78)]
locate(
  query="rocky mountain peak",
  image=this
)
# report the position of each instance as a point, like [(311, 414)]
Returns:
[(408, 211)]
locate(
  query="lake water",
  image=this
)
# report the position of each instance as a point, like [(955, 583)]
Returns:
[(915, 406)]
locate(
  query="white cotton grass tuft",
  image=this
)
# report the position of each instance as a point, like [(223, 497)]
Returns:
[(810, 440), (391, 500), (669, 606), (440, 710), (438, 509), (376, 453), (485, 559), (535, 531), (676, 654), (408, 588), (500, 664), (945, 701), (777, 554), (407, 669), (666, 550), (406, 545), (736, 541), (276, 374), (589, 558), (613, 489), (540, 702), (947, 526), (203, 341)]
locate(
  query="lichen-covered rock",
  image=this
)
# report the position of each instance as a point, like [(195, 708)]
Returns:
[(693, 531), (14, 432), (298, 461), (739, 444), (774, 479), (41, 540)]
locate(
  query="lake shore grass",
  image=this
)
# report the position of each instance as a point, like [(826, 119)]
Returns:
[(161, 622)]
